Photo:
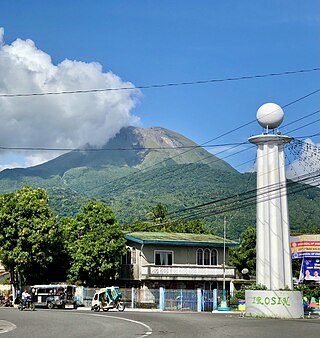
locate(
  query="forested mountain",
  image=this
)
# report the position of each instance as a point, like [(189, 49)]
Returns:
[(140, 168)]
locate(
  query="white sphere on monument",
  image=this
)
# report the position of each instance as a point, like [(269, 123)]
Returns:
[(270, 115)]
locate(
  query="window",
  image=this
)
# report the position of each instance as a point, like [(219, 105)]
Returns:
[(214, 257), (126, 259), (199, 257), (163, 257), (207, 254), (207, 257), (133, 256)]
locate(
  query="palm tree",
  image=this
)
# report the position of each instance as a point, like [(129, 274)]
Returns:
[(159, 213)]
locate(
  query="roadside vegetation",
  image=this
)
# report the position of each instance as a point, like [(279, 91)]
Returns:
[(36, 246)]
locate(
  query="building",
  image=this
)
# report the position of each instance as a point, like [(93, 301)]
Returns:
[(176, 261)]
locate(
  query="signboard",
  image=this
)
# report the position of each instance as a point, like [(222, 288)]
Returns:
[(310, 269), (305, 246), (274, 304)]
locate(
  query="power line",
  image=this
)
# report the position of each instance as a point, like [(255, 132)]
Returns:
[(246, 202), (244, 197), (306, 125), (307, 136), (301, 118), (119, 149), (190, 149), (172, 172), (163, 85), (303, 178), (179, 170), (213, 139)]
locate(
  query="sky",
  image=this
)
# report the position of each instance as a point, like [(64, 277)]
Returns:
[(56, 46)]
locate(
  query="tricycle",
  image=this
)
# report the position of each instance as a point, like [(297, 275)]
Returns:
[(108, 298)]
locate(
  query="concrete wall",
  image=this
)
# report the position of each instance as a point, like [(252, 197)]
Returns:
[(181, 255)]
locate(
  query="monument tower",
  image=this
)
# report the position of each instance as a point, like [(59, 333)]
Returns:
[(273, 266)]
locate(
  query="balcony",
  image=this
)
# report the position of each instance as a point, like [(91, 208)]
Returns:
[(193, 272)]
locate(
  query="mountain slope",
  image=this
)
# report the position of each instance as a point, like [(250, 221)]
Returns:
[(130, 147), (140, 168)]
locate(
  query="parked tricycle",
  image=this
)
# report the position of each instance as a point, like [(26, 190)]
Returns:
[(108, 298)]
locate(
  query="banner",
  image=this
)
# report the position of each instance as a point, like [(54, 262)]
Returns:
[(305, 246), (310, 269)]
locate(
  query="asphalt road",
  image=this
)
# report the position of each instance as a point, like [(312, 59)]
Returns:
[(44, 323)]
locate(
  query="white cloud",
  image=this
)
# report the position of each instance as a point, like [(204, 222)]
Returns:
[(58, 121)]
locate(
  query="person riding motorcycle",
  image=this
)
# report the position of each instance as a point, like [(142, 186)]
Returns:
[(24, 297)]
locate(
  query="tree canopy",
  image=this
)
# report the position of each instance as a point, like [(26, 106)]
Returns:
[(245, 256), (160, 221), (29, 234), (95, 245)]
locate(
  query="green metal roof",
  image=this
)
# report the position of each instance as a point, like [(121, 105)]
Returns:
[(182, 239)]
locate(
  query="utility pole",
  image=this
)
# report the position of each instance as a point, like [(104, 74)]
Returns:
[(224, 254), (224, 305)]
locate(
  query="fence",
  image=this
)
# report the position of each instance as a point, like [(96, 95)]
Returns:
[(162, 299), (183, 300)]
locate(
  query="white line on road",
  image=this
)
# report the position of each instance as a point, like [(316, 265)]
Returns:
[(146, 334), (6, 326)]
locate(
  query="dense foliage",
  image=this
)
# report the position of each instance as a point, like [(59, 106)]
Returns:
[(29, 234), (145, 189), (161, 222), (245, 256), (133, 181), (95, 245), (37, 248), (131, 198)]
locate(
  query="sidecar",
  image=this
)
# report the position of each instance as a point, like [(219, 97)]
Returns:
[(108, 298)]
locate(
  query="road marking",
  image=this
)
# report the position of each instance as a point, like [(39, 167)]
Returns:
[(6, 326), (147, 333)]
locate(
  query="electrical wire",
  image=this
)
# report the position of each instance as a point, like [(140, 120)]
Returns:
[(119, 149), (245, 199), (171, 172), (249, 201), (306, 178), (290, 103), (174, 172), (163, 85)]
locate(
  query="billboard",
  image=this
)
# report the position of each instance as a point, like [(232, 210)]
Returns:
[(310, 269), (305, 246)]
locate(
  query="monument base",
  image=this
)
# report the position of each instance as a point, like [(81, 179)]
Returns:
[(274, 304)]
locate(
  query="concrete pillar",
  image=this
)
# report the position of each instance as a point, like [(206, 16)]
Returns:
[(273, 244), (215, 299), (199, 300), (133, 297), (162, 299)]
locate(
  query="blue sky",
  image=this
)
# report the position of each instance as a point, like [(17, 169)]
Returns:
[(156, 42)]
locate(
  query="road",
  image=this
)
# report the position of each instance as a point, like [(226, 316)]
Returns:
[(44, 323)]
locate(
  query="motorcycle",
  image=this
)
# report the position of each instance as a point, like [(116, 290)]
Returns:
[(6, 302), (108, 298), (28, 304)]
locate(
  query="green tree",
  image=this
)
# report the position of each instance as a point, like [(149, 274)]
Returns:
[(29, 234), (159, 213), (95, 245), (245, 256), (162, 223)]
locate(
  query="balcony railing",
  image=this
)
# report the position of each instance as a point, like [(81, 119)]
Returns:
[(187, 271)]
